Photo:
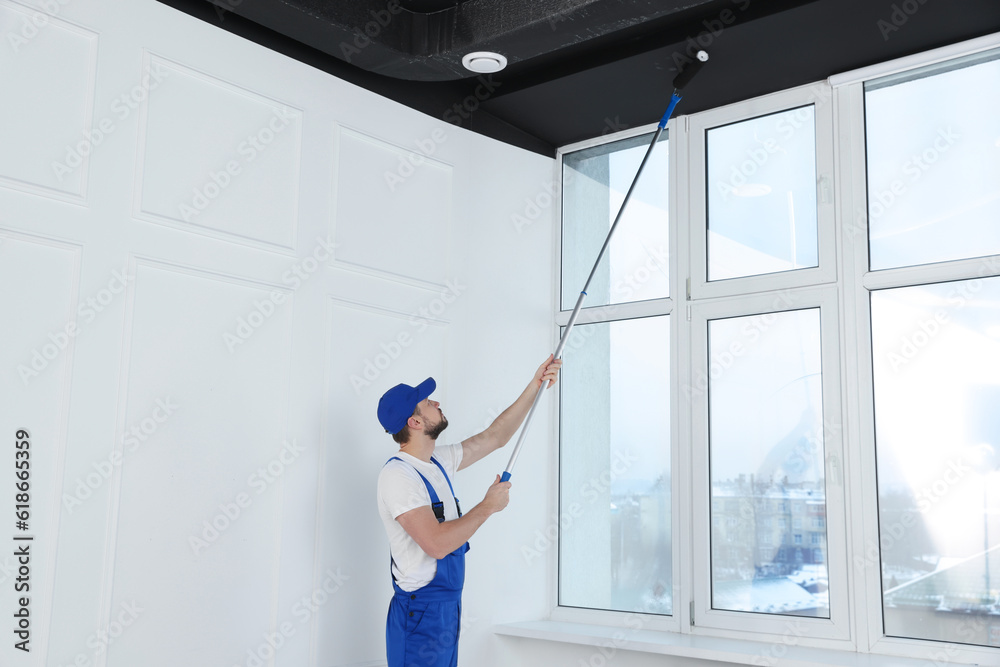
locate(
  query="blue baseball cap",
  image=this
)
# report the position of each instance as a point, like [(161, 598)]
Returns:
[(397, 404)]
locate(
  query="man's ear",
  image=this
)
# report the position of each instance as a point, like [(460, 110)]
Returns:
[(415, 422)]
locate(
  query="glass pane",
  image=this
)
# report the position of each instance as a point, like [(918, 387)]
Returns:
[(614, 520), (761, 180), (767, 464), (936, 355), (595, 181), (934, 167)]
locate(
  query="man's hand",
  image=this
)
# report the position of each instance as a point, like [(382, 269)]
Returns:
[(547, 372), (497, 496), (440, 539), (506, 424)]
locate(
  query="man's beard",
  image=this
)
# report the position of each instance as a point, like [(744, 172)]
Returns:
[(435, 431)]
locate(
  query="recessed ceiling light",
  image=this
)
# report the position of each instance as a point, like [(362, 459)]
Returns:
[(484, 62)]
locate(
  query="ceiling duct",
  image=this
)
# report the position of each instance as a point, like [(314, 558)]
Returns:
[(425, 40)]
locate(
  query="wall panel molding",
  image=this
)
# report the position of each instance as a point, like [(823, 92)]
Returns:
[(393, 210), (225, 187), (45, 126)]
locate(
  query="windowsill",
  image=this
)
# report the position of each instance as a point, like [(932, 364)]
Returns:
[(697, 647)]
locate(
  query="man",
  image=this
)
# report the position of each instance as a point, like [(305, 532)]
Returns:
[(428, 534)]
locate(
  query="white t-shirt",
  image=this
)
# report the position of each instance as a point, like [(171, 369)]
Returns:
[(400, 490)]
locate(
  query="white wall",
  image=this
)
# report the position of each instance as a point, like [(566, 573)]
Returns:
[(161, 352)]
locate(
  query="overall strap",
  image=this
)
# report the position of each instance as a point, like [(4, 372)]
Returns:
[(436, 505), (447, 479), (441, 468)]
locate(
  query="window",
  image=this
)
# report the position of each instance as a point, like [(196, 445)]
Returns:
[(615, 447), (761, 205), (765, 413), (616, 476), (939, 475), (932, 176), (595, 181), (813, 352), (747, 162), (934, 202)]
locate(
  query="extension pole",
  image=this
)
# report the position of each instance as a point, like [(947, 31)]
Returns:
[(680, 81)]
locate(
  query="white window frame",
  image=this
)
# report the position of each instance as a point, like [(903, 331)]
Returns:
[(819, 97), (859, 282), (616, 313), (820, 631)]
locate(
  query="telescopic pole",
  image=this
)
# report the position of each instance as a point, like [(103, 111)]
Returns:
[(680, 81)]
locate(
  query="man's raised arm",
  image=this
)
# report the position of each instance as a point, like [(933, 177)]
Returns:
[(506, 424), (440, 539)]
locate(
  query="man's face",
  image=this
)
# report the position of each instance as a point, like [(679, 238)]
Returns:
[(434, 420)]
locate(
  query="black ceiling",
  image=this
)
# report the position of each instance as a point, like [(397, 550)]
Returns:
[(581, 68)]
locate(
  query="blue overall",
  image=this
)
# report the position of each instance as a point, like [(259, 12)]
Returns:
[(423, 625)]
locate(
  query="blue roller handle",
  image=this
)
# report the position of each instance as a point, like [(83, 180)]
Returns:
[(681, 80)]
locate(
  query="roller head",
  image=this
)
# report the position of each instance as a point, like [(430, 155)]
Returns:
[(686, 74)]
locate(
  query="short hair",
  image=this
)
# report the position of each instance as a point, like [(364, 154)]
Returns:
[(402, 436)]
